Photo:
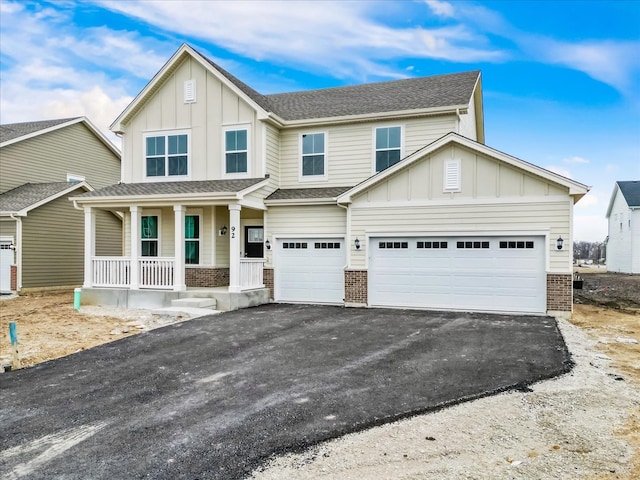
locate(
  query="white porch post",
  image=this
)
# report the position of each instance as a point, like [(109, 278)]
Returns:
[(178, 268), (234, 248), (89, 245), (134, 242)]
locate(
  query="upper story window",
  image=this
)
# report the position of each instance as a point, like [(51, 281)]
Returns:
[(167, 155), (236, 150), (388, 146), (313, 147)]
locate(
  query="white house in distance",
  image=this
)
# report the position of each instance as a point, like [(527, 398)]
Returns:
[(623, 214), (379, 194)]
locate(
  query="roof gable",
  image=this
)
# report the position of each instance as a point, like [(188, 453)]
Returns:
[(25, 198), (18, 132), (630, 191), (576, 189)]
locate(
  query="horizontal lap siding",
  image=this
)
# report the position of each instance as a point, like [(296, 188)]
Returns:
[(53, 245), (455, 218), (8, 228), (51, 156), (273, 153), (108, 234)]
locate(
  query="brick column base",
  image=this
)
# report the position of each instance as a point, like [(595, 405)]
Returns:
[(267, 279), (355, 288), (206, 277), (13, 282), (559, 292)]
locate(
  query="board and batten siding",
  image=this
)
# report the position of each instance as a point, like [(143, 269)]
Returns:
[(301, 221), (51, 156), (53, 245), (216, 107), (350, 149)]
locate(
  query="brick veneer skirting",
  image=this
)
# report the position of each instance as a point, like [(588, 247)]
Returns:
[(267, 279), (206, 277), (13, 282), (560, 292), (355, 287)]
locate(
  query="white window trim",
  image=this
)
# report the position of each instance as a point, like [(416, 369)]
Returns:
[(72, 177), (198, 212), (373, 143), (223, 156), (166, 177), (314, 178), (150, 213), (448, 167)]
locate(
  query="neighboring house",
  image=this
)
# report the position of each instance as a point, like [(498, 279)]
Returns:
[(42, 164), (623, 214), (379, 194)]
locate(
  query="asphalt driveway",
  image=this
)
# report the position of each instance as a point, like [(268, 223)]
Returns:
[(215, 397)]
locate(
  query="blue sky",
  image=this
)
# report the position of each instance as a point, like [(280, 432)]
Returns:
[(561, 79)]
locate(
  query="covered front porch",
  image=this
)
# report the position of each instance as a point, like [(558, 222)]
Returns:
[(176, 245)]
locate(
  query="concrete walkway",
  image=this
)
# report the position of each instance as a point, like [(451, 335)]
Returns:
[(214, 397)]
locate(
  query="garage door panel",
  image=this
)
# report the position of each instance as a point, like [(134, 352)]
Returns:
[(314, 274), (484, 273)]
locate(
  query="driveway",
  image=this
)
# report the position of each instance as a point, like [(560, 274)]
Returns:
[(213, 398)]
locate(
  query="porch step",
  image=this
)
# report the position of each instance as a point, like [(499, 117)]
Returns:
[(193, 302)]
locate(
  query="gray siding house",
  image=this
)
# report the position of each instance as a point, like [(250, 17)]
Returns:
[(380, 194), (43, 164), (623, 216)]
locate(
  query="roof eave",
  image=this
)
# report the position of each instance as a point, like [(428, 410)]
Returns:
[(302, 201)]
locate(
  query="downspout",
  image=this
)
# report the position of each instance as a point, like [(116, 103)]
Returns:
[(18, 221), (348, 234)]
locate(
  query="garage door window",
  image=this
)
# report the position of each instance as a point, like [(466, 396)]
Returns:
[(432, 245), (472, 244), (293, 245), (393, 245), (518, 244), (323, 245)]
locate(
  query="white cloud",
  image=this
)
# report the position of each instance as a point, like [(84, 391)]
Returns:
[(440, 8), (575, 160)]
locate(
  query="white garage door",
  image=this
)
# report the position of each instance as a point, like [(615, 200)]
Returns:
[(461, 273), (310, 270), (6, 260)]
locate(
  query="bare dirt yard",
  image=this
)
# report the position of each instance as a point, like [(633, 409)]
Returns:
[(583, 425)]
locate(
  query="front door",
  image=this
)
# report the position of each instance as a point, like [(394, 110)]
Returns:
[(254, 242)]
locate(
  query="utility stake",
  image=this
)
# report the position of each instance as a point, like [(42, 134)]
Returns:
[(13, 336)]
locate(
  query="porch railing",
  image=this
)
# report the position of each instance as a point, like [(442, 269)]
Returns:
[(251, 271), (111, 271), (156, 272)]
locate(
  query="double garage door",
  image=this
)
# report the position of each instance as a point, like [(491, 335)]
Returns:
[(461, 273), (310, 270)]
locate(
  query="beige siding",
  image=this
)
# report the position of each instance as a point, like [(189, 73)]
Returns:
[(108, 234), (216, 106), (51, 156), (222, 241), (467, 126), (350, 149), (8, 228), (273, 153), (53, 245)]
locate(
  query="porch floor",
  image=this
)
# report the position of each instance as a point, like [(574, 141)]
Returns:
[(155, 299)]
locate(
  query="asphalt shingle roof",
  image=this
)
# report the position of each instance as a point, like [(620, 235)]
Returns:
[(397, 95), (10, 131), (29, 194), (173, 188), (306, 193), (631, 192)]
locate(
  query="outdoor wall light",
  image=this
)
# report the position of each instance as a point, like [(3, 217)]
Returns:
[(223, 230), (267, 244), (357, 244), (559, 243)]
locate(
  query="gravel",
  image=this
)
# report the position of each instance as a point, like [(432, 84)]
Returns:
[(566, 428)]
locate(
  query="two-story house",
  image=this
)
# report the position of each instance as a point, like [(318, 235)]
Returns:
[(379, 194), (623, 216), (43, 164)]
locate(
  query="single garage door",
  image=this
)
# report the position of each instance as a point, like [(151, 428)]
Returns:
[(461, 273), (310, 270), (6, 260)]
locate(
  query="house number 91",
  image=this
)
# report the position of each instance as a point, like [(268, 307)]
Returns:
[(233, 232)]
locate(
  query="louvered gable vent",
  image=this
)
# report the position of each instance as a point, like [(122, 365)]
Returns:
[(189, 91), (452, 176)]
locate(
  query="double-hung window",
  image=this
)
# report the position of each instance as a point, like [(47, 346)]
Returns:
[(192, 239), (388, 146), (313, 155), (236, 151), (167, 155), (149, 234)]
